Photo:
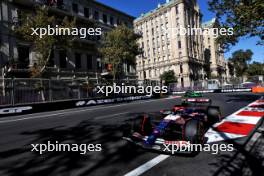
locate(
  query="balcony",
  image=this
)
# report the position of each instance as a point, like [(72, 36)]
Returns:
[(16, 23), (24, 2), (33, 2), (139, 32), (59, 4)]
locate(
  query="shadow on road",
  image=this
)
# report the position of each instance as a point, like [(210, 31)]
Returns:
[(241, 162), (238, 163), (21, 161)]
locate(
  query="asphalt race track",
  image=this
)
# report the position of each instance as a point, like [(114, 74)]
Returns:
[(101, 125)]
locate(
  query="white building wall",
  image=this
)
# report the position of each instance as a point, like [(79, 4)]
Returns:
[(171, 56)]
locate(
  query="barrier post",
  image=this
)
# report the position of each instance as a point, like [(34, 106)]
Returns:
[(3, 81), (12, 92), (50, 91)]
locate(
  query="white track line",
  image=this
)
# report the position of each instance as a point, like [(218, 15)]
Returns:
[(143, 168)]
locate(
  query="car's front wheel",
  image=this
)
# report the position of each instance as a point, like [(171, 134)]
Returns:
[(213, 114), (141, 124), (194, 132)]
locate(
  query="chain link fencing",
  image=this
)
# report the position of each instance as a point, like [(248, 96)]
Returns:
[(27, 91)]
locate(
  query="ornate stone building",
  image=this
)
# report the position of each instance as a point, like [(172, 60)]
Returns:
[(214, 55), (164, 51)]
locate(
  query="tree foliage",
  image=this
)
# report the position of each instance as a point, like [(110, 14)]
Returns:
[(240, 60), (120, 46), (45, 44), (231, 69), (256, 68), (168, 77), (246, 17)]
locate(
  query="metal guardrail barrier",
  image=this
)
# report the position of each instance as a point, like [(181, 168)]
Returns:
[(213, 84)]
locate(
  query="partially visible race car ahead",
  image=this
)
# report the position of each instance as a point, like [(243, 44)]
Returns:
[(192, 94), (186, 123)]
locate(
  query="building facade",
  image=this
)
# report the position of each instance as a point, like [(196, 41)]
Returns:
[(81, 60), (164, 51), (213, 53)]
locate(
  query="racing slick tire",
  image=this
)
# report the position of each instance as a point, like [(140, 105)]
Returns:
[(194, 132), (213, 114)]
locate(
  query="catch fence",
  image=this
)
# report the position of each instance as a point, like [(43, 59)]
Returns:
[(213, 84), (27, 91)]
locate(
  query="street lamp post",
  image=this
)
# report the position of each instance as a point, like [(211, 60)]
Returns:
[(3, 80)]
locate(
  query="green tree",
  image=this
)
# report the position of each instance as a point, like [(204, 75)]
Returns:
[(231, 69), (256, 68), (168, 77), (246, 17), (120, 46), (240, 60), (45, 44)]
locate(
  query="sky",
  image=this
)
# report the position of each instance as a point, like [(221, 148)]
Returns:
[(137, 7)]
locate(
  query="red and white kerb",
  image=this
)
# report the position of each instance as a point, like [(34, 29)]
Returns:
[(238, 124)]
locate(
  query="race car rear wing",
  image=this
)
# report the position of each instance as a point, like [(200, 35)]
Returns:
[(198, 100)]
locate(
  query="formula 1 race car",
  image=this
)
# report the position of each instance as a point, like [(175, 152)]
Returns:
[(183, 123), (192, 94)]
